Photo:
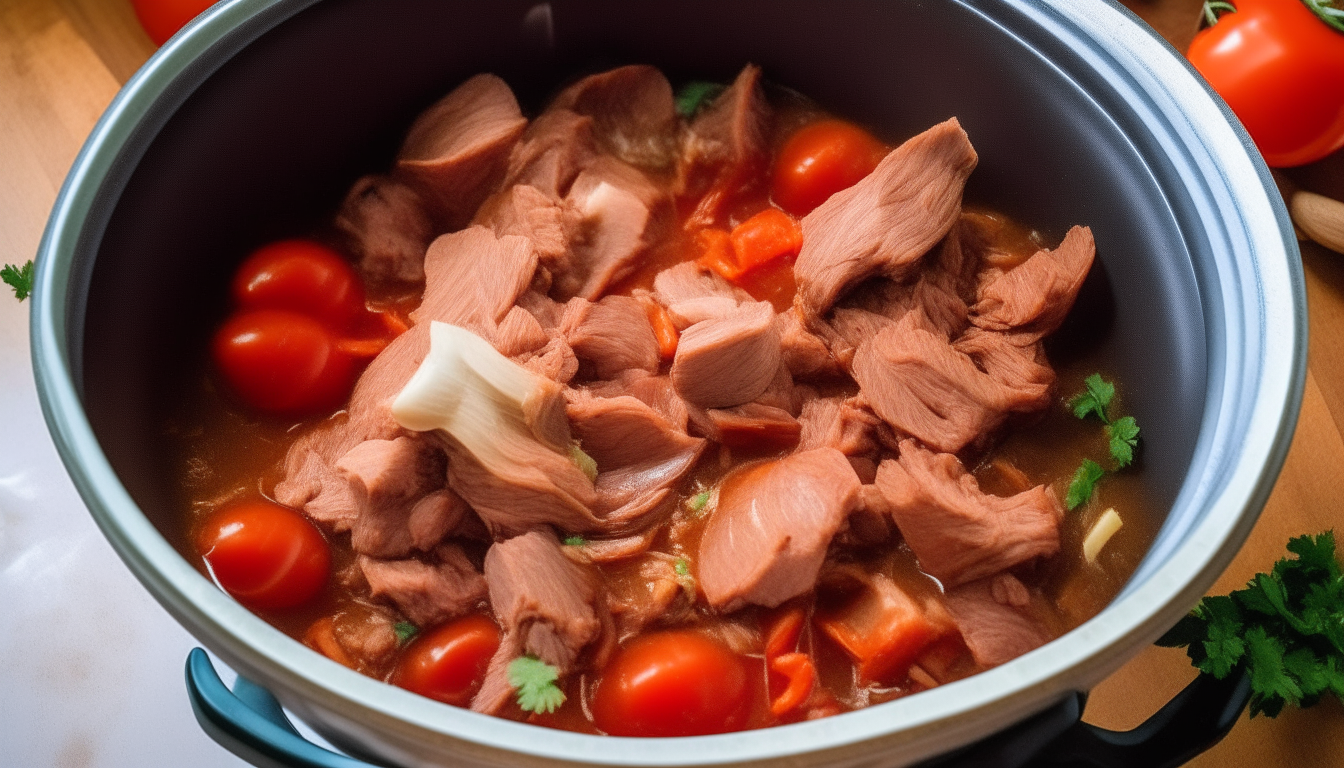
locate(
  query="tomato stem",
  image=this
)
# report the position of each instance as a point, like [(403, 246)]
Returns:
[(1326, 11), (1214, 9)]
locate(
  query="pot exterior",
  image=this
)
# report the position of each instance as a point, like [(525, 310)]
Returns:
[(1197, 251)]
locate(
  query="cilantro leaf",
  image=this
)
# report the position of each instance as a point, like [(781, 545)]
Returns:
[(19, 278), (405, 630), (574, 541), (683, 569), (1080, 488), (1286, 628), (534, 680), (1094, 399), (1124, 436), (695, 95)]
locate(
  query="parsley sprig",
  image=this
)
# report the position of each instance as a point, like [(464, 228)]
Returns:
[(1286, 627), (534, 681), (1122, 436), (19, 278)]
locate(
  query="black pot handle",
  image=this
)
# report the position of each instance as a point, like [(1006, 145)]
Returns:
[(248, 722)]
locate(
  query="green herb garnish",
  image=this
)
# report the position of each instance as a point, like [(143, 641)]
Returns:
[(19, 278), (534, 680), (1122, 435), (697, 502), (695, 95), (574, 541), (405, 630), (1286, 627)]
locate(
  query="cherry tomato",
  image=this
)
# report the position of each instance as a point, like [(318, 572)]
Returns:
[(162, 18), (448, 663), (265, 555), (283, 363), (819, 160), (672, 684), (1281, 70), (303, 276)]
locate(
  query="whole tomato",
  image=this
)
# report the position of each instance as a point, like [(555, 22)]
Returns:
[(265, 555), (1281, 70), (162, 18), (283, 363), (819, 160), (674, 683), (448, 663), (302, 276)]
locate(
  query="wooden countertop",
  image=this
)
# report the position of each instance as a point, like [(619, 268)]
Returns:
[(62, 61)]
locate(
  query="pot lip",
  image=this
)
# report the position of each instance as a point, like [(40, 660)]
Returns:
[(1256, 402)]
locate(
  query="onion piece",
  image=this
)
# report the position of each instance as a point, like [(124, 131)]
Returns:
[(1101, 532)]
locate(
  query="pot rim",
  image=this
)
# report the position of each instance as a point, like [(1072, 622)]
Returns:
[(1249, 417)]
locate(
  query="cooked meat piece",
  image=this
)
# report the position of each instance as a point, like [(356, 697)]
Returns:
[(428, 593), (839, 423), (613, 334), (385, 226), (726, 145), (958, 532), (614, 216), (455, 153), (652, 592), (365, 637), (1035, 296), (313, 485), (1016, 360), (526, 211), (556, 146), (728, 361), (995, 621), (885, 222), (756, 426), (519, 333), (656, 392), (766, 539), (388, 478), (638, 454), (634, 112), (556, 361), (691, 294), (805, 353), (612, 550), (473, 278), (548, 605), (925, 387)]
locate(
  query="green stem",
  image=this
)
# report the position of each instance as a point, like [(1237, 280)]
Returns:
[(1326, 11), (1214, 8)]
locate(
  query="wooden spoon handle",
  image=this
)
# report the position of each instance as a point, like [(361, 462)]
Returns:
[(1319, 217)]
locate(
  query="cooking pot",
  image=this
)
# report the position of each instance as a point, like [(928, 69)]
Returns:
[(251, 124)]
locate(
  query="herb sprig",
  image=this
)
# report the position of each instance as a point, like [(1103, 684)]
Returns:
[(1286, 627), (18, 278), (1122, 435), (534, 681)]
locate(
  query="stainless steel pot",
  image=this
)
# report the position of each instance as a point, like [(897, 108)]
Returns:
[(258, 116)]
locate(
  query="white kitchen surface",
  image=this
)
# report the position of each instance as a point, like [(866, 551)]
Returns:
[(91, 668)]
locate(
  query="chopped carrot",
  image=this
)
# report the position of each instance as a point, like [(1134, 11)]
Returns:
[(321, 637), (769, 235), (663, 328), (798, 669), (883, 629), (716, 252), (782, 637), (362, 347), (394, 322)]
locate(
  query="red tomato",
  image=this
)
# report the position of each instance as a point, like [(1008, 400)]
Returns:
[(821, 159), (448, 663), (303, 276), (162, 18), (1281, 70), (265, 555), (283, 363), (672, 684)]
